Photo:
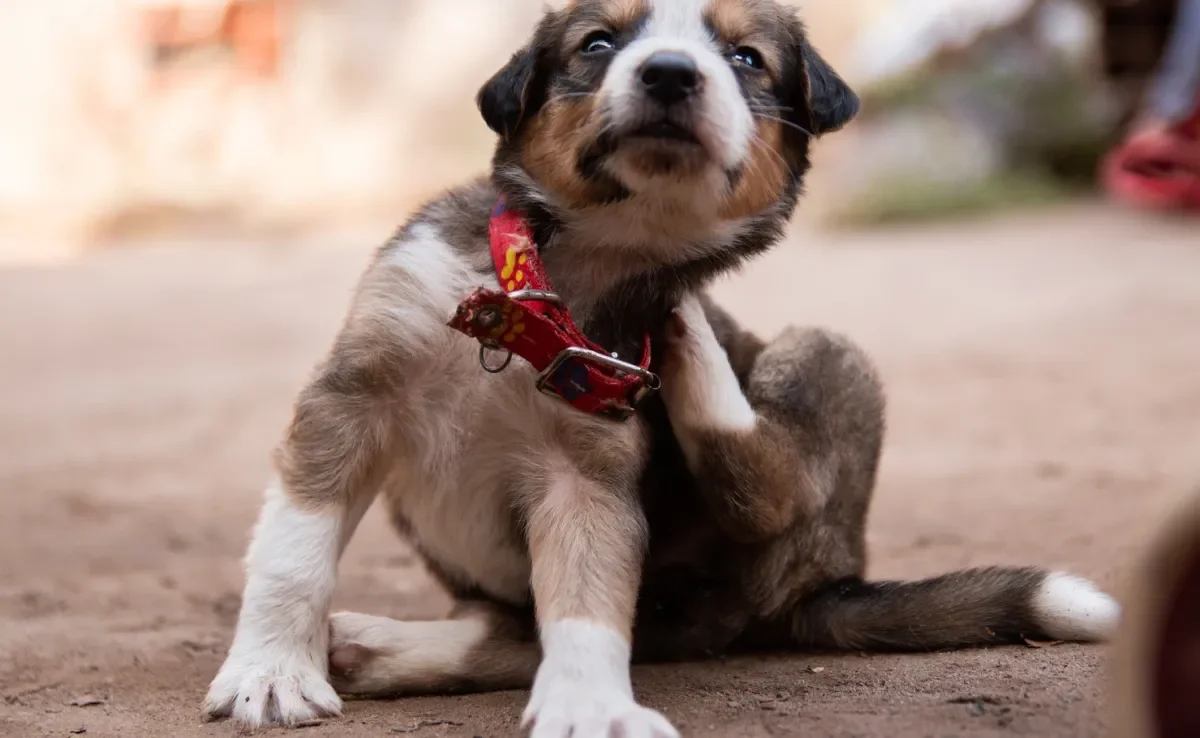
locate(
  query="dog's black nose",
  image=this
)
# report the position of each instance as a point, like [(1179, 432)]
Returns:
[(670, 77)]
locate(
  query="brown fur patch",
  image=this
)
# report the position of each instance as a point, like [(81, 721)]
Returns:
[(332, 450), (754, 481), (552, 148), (749, 23), (590, 571), (731, 19), (653, 161), (764, 177), (615, 15)]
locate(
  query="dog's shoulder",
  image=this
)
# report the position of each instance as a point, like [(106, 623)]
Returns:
[(414, 282), (457, 220)]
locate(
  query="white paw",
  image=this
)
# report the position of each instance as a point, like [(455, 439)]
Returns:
[(689, 333), (272, 687), (580, 710), (582, 688), (699, 386)]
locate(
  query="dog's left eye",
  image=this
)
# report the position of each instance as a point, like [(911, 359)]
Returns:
[(748, 57)]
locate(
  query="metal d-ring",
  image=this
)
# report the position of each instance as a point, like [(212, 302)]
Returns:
[(483, 358)]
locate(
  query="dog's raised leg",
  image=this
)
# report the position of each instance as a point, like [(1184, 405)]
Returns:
[(756, 474), (587, 538)]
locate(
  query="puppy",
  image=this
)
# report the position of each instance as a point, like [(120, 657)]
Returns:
[(647, 147)]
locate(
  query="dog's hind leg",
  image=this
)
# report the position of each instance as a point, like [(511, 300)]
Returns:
[(482, 649), (768, 431), (785, 455)]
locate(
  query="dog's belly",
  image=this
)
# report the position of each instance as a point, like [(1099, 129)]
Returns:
[(450, 488), (476, 447), (467, 535)]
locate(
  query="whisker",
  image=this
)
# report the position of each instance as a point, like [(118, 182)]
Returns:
[(606, 128), (787, 123), (568, 95), (770, 109), (753, 169), (757, 140)]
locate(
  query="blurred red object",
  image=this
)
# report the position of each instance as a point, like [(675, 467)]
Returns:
[(1157, 167)]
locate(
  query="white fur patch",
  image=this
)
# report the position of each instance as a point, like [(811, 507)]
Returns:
[(438, 280), (583, 690), (699, 387), (724, 123), (276, 670), (1070, 608), (679, 19)]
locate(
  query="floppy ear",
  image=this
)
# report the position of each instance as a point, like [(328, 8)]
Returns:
[(504, 100), (832, 102), (518, 91)]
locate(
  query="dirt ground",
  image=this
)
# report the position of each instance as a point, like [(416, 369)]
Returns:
[(1044, 390)]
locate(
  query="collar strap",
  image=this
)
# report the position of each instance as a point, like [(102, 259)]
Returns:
[(525, 317)]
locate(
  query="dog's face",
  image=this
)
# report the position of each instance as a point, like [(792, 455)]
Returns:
[(666, 100)]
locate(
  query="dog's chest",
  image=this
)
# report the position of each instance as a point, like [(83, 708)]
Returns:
[(476, 447), (473, 447), (474, 455), (467, 438)]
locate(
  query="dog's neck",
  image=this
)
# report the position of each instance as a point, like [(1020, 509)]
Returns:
[(622, 266)]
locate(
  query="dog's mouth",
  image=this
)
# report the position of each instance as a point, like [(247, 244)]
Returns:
[(664, 130)]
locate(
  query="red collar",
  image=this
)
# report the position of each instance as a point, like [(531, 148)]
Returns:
[(524, 317)]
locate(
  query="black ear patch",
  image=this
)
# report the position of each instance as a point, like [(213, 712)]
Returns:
[(505, 99), (832, 102), (518, 91)]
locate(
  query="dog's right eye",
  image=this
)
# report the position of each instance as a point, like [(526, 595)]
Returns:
[(598, 42)]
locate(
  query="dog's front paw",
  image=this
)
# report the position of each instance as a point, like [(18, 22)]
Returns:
[(272, 687), (575, 709), (690, 337), (692, 351)]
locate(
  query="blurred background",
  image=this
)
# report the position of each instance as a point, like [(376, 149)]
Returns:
[(125, 118), (189, 190)]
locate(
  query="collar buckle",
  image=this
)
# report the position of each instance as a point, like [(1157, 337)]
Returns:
[(649, 381), (526, 318)]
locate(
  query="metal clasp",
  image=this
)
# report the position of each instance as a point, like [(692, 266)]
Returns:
[(650, 380)]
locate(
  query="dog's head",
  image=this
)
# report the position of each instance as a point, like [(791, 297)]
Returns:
[(686, 104)]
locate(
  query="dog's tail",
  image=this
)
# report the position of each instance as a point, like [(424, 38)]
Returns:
[(975, 607)]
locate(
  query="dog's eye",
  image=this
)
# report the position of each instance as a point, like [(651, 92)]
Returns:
[(749, 57), (598, 42)]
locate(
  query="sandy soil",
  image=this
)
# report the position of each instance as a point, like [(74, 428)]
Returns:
[(1044, 390)]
